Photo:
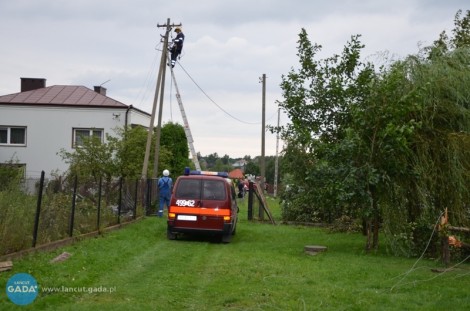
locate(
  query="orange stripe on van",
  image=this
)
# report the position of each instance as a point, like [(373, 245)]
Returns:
[(199, 211)]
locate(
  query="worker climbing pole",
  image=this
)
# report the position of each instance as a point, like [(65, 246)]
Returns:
[(175, 51), (177, 46)]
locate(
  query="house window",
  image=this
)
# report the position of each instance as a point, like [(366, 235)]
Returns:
[(13, 135), (79, 134)]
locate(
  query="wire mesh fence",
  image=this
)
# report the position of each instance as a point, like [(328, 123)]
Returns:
[(39, 211)]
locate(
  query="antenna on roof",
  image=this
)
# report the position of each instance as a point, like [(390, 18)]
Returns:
[(105, 82)]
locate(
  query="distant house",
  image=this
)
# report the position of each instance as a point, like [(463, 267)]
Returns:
[(39, 121), (241, 164)]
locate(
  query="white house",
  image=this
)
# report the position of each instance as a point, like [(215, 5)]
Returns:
[(241, 164), (38, 122)]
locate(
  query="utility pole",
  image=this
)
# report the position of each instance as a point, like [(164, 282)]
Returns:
[(160, 108), (159, 87), (276, 164), (263, 134)]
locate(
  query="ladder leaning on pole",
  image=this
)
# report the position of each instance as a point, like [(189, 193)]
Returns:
[(187, 131)]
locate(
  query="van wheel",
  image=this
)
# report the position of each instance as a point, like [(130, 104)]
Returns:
[(226, 238), (170, 235)]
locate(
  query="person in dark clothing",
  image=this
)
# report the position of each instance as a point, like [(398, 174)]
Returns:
[(240, 189), (177, 46), (165, 184)]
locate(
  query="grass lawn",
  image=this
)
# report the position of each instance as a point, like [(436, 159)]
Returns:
[(263, 268)]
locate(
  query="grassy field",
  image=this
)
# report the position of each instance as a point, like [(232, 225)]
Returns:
[(263, 268)]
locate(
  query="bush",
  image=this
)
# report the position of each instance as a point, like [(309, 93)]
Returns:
[(346, 224), (16, 220)]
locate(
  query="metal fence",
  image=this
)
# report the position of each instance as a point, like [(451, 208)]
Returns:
[(43, 210)]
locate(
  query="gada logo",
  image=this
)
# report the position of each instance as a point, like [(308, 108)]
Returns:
[(190, 203), (22, 289)]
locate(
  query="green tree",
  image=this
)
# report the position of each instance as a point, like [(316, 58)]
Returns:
[(390, 146), (92, 159), (319, 99), (122, 154), (460, 38), (270, 169), (252, 168), (174, 140), (211, 160), (130, 149), (226, 159)]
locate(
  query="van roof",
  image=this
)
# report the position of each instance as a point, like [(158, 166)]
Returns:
[(187, 172)]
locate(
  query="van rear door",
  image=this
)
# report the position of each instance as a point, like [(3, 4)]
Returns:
[(200, 204)]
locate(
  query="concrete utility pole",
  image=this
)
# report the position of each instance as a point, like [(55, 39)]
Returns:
[(263, 134), (159, 88)]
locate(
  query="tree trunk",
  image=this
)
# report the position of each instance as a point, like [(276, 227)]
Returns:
[(364, 226), (369, 235), (375, 242), (375, 221), (375, 213)]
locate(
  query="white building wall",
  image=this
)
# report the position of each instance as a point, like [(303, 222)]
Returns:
[(138, 117), (49, 129)]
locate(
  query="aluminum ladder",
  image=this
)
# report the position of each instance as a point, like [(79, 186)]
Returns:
[(187, 130)]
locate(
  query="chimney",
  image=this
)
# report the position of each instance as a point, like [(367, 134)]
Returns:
[(29, 84), (100, 90)]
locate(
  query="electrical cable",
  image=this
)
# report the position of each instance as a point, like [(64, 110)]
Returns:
[(222, 109), (436, 276), (146, 87), (420, 257)]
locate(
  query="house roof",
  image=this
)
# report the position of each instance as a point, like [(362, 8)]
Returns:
[(61, 95), (236, 173)]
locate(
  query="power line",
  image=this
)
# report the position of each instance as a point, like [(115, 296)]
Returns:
[(223, 110), (148, 80)]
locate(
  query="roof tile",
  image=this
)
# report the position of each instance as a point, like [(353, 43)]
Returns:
[(61, 95)]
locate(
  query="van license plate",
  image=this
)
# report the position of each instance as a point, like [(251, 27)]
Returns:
[(187, 217)]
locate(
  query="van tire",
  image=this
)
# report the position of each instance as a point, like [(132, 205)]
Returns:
[(170, 235), (227, 238)]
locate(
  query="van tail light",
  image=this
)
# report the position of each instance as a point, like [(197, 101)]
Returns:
[(171, 215), (227, 218)]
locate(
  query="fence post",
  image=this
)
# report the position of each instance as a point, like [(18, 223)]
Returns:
[(250, 200), (38, 210), (120, 200), (135, 198), (260, 190), (99, 206), (148, 203), (72, 214)]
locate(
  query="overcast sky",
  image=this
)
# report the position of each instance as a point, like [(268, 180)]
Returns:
[(229, 45)]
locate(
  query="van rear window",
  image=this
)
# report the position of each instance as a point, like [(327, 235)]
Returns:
[(188, 189), (213, 190), (201, 189)]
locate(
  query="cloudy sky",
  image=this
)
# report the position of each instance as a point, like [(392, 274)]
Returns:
[(229, 45)]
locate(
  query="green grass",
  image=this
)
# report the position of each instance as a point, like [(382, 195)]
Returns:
[(263, 268)]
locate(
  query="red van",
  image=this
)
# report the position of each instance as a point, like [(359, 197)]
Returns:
[(203, 202)]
